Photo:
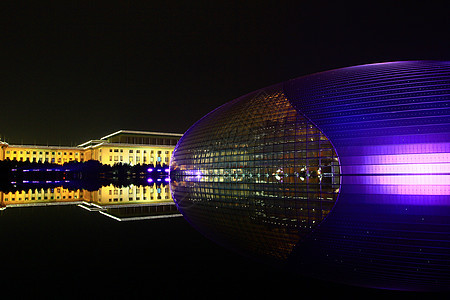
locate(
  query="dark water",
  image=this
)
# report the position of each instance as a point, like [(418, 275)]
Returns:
[(65, 251)]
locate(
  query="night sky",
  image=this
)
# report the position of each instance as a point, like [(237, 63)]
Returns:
[(72, 72)]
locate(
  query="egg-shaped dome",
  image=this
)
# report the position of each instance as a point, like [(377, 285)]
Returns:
[(341, 175)]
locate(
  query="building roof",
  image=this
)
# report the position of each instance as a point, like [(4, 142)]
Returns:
[(90, 143), (134, 132), (43, 147)]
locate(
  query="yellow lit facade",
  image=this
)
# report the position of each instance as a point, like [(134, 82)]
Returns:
[(58, 155), (40, 196), (111, 195), (124, 146), (106, 195), (110, 153)]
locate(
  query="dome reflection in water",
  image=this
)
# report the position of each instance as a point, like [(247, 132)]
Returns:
[(262, 175), (255, 175)]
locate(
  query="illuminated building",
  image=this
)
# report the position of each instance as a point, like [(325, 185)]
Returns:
[(3, 145), (49, 154), (124, 146), (110, 194), (341, 175), (40, 196), (120, 203)]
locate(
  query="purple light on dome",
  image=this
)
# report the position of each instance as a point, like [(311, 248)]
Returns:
[(167, 170), (149, 180), (149, 170), (408, 169), (167, 179)]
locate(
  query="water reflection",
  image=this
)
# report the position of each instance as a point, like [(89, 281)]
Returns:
[(126, 203)]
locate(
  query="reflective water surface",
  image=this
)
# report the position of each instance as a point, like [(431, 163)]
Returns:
[(64, 242), (133, 202)]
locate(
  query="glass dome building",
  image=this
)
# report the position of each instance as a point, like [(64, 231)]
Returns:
[(341, 175)]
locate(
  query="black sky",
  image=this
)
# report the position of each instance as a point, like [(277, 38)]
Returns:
[(74, 71)]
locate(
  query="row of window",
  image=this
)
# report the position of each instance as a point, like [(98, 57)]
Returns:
[(136, 151), (138, 159), (137, 198), (47, 160), (42, 152), (130, 191), (41, 198)]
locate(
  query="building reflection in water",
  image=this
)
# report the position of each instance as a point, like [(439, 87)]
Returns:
[(133, 202)]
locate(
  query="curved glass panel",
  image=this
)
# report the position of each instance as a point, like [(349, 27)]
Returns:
[(255, 175)]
